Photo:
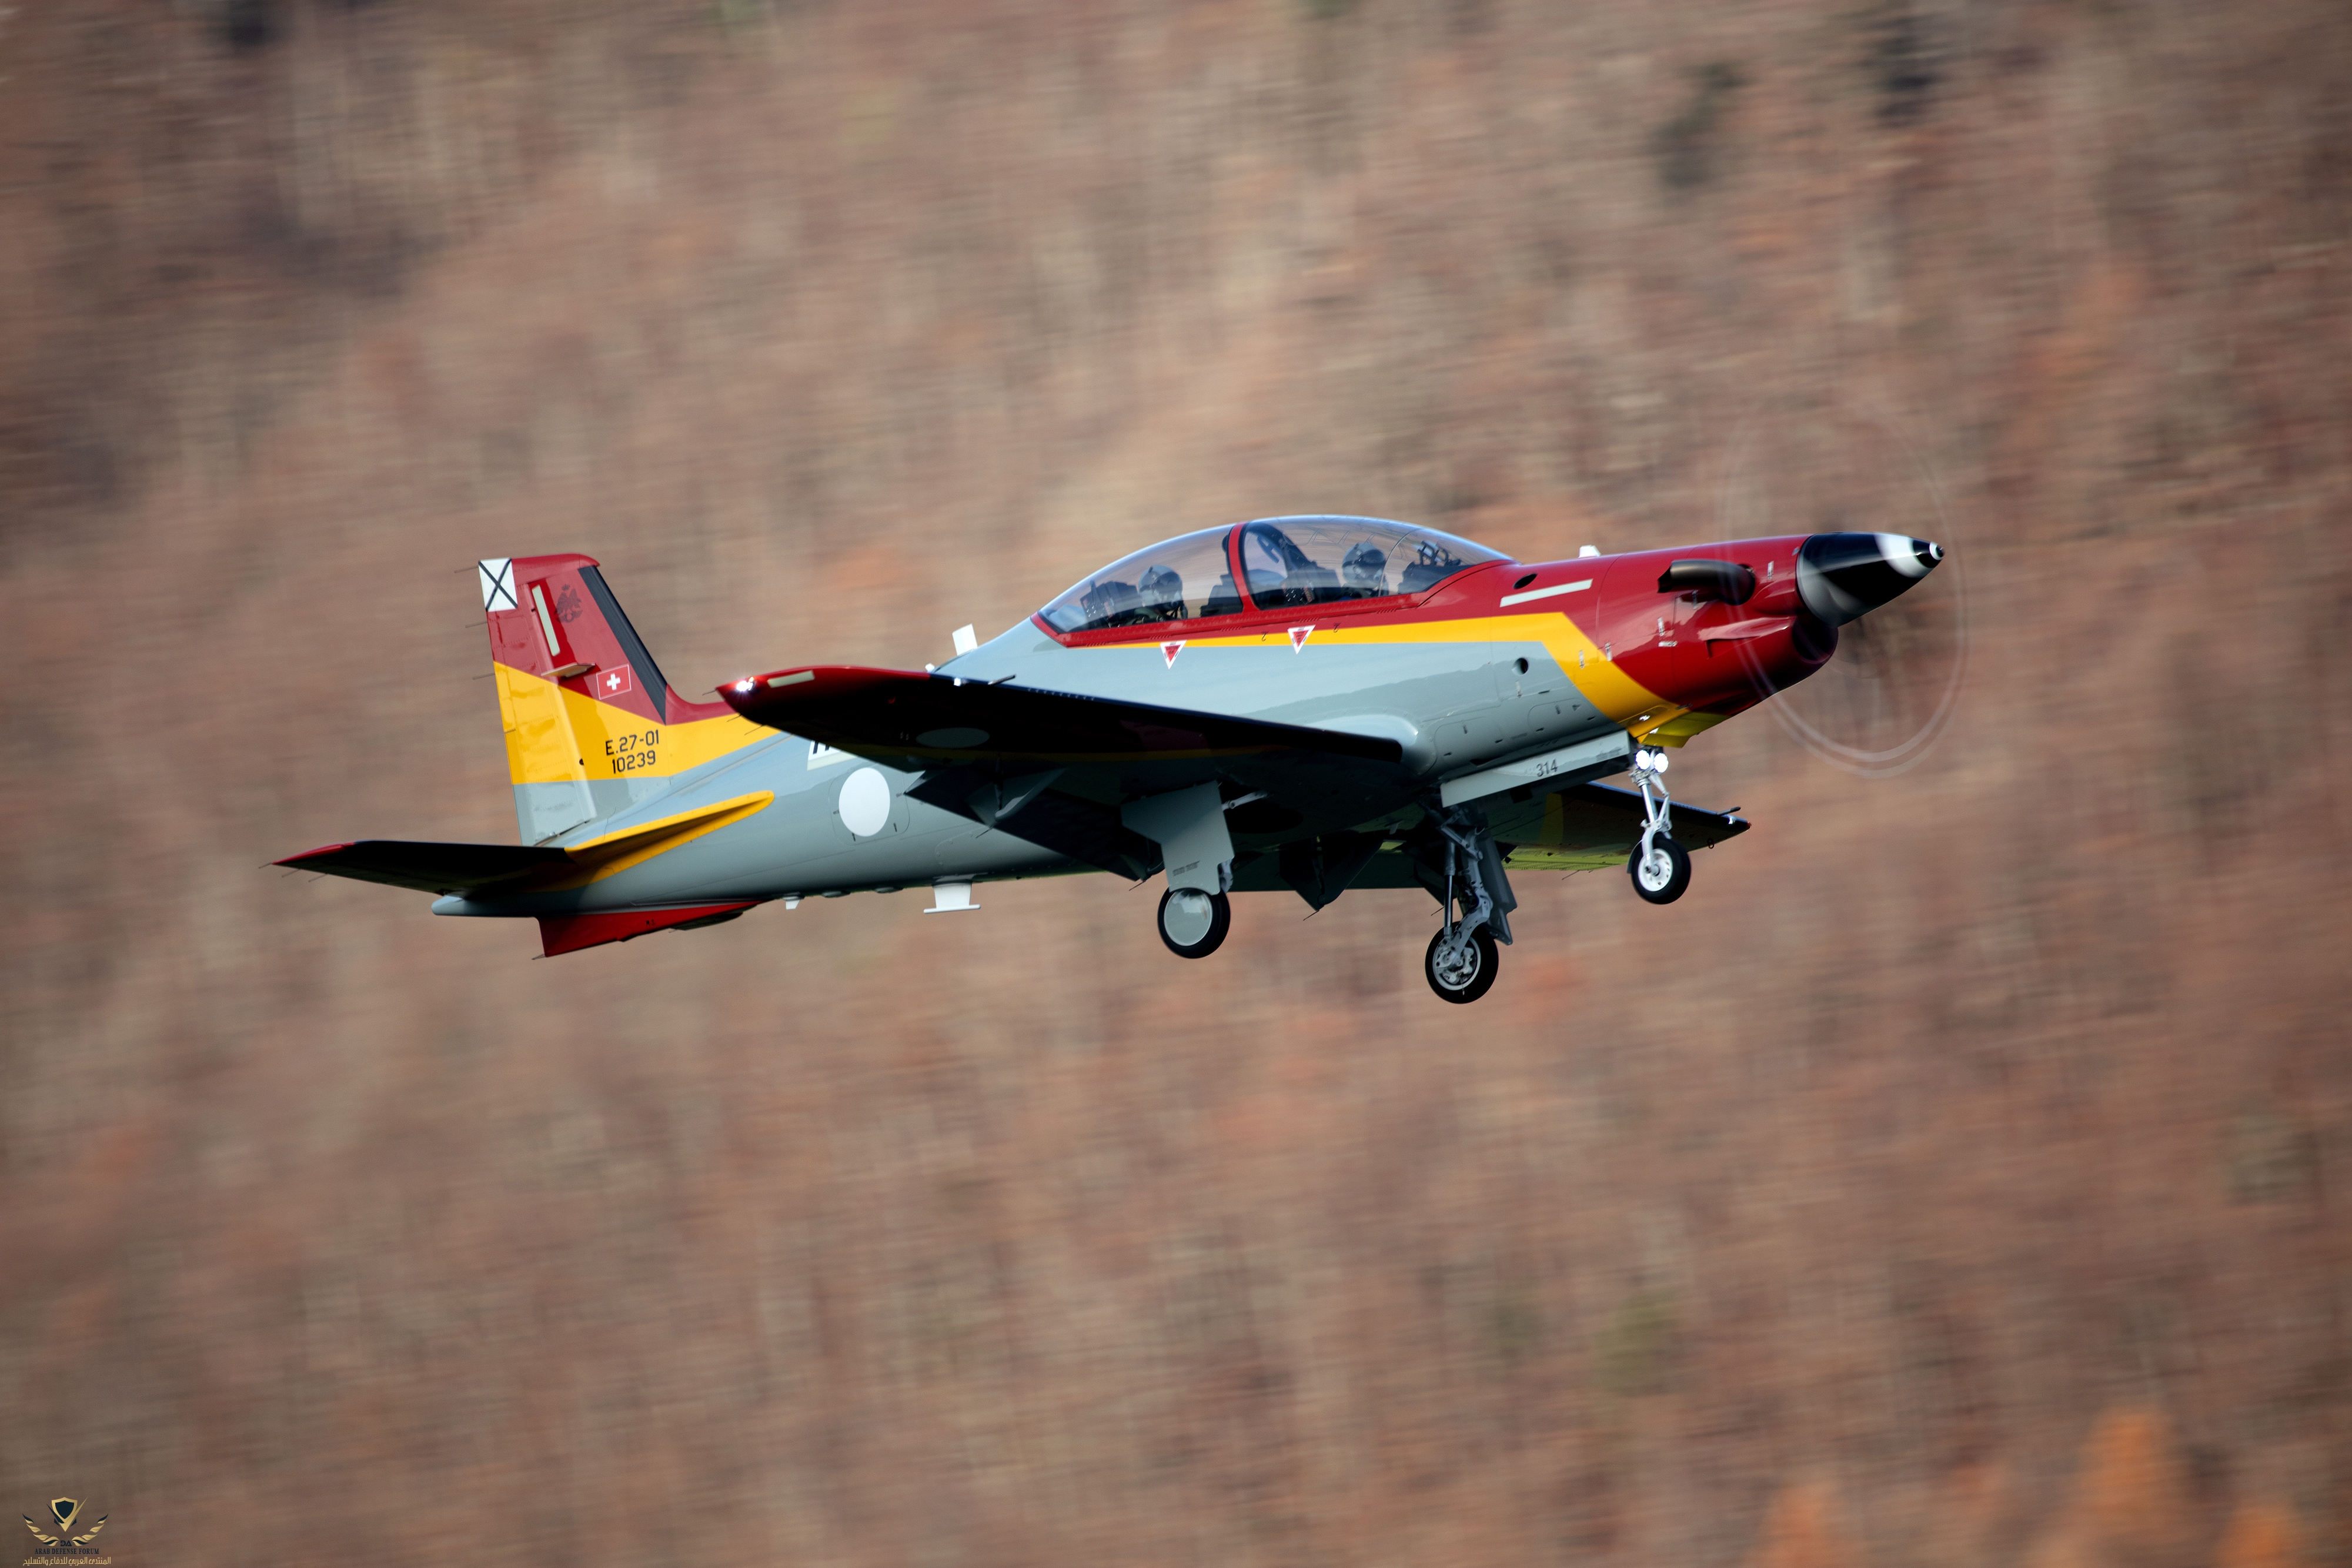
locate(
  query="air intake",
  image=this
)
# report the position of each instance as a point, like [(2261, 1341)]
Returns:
[(1725, 580)]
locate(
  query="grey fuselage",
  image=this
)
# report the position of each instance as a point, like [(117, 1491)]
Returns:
[(1453, 706)]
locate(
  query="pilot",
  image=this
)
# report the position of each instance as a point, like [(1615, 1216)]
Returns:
[(1162, 593), (1364, 570)]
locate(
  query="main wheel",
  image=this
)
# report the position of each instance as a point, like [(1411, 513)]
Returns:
[(1662, 876), (1193, 922), (1465, 979)]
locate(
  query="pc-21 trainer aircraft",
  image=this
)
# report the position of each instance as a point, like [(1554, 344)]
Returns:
[(1315, 703)]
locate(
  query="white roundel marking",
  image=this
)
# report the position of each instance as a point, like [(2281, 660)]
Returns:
[(865, 802)]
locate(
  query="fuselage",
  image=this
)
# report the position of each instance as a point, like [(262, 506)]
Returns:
[(1499, 661)]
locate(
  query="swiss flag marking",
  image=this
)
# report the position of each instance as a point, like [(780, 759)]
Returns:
[(612, 683), (1172, 650), (1299, 636)]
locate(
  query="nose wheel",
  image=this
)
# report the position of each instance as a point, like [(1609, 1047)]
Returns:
[(1193, 923), (1661, 871)]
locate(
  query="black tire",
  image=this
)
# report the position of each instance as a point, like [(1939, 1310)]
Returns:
[(1676, 867), (1202, 943), (1482, 956)]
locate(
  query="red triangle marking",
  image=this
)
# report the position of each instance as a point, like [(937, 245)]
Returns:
[(1299, 636), (1172, 650)]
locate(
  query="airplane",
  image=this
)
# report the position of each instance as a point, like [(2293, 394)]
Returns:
[(1319, 704)]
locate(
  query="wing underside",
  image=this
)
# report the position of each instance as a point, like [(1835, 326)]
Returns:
[(1053, 768)]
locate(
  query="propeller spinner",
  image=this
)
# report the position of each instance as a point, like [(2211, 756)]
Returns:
[(1844, 577)]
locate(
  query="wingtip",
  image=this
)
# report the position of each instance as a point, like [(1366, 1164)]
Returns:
[(297, 861)]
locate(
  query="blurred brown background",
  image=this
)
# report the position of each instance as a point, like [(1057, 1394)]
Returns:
[(1956, 1177)]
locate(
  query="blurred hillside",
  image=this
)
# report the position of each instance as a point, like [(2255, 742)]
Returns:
[(1958, 1176)]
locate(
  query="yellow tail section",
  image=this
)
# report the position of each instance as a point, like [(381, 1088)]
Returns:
[(555, 736)]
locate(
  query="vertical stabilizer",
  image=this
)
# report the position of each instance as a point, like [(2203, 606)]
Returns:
[(592, 726)]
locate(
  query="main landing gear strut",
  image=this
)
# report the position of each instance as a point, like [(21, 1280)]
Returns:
[(1462, 958), (1188, 827)]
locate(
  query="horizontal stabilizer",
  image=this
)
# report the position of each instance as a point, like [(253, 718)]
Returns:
[(903, 718), (491, 868), (429, 868)]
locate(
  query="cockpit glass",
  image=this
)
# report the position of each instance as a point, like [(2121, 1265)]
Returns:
[(1287, 562), (1181, 578), (1295, 561)]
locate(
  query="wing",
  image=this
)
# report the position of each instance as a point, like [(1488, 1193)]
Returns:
[(918, 721), (429, 868), (44, 1540), (86, 1540), (1053, 767)]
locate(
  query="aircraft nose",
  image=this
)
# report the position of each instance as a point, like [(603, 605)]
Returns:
[(1844, 577)]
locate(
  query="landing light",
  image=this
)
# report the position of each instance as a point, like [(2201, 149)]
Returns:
[(744, 685)]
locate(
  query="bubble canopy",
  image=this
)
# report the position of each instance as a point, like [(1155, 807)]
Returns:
[(1278, 563)]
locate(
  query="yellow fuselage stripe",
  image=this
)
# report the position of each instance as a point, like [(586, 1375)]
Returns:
[(1605, 685)]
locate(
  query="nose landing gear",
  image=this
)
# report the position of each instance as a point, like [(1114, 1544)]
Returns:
[(1660, 868)]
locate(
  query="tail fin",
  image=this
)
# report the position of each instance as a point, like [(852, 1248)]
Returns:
[(592, 726)]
